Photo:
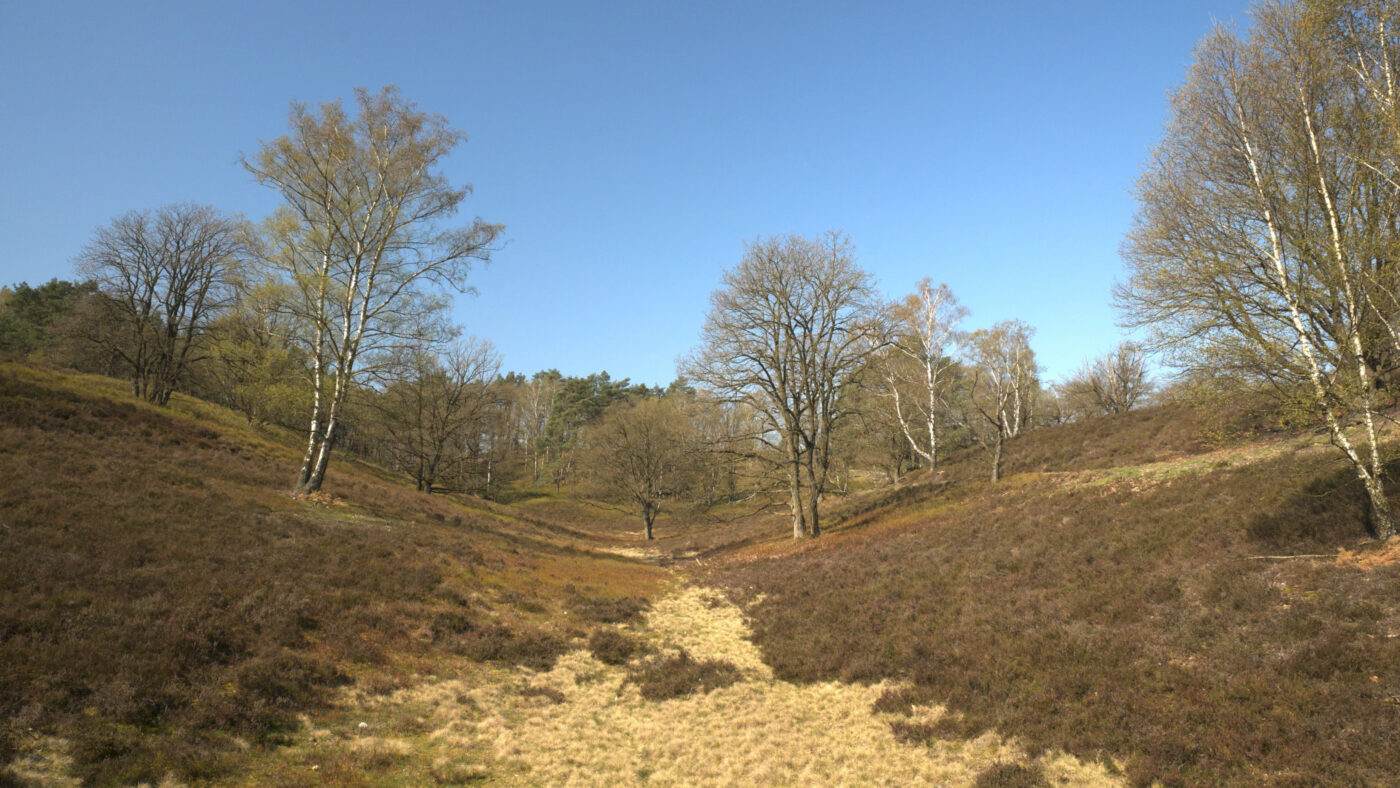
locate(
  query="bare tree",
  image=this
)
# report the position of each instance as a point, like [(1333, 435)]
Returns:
[(642, 452), (435, 405), (924, 340), (164, 274), (791, 326), (1004, 384), (1112, 383), (1267, 222), (361, 240)]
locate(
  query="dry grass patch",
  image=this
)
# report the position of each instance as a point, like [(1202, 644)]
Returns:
[(1368, 560), (755, 731)]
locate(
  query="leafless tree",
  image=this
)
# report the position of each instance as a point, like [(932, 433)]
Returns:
[(536, 402), (361, 240), (163, 274), (1113, 383), (1004, 383), (435, 405), (792, 324), (924, 343)]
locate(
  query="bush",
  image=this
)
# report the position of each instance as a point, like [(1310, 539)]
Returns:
[(613, 648), (529, 648), (609, 611), (1012, 775), (678, 674), (548, 693), (902, 700)]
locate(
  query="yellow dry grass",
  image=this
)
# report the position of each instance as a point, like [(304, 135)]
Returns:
[(1368, 560), (42, 762), (758, 731)]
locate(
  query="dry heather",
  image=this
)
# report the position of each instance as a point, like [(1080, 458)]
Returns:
[(167, 609), (1142, 597), (757, 731)]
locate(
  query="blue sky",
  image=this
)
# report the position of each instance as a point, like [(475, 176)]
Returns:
[(632, 148)]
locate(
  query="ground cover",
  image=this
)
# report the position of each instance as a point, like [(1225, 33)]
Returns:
[(1128, 605), (167, 608)]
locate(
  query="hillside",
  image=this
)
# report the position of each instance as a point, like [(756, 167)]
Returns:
[(165, 605), (1132, 603), (1129, 592)]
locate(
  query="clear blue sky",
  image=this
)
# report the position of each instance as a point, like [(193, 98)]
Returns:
[(632, 148)]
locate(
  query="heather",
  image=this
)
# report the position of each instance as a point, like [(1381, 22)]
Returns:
[(1153, 604)]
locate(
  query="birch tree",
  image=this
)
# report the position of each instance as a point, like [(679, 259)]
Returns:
[(924, 344), (794, 322), (1267, 225), (536, 399), (364, 240), (1004, 380)]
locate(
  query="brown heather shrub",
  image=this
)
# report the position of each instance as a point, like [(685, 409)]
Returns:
[(160, 593), (531, 648), (452, 772), (613, 648), (902, 700), (609, 611), (917, 733), (1013, 775), (1123, 614), (676, 675), (539, 691)]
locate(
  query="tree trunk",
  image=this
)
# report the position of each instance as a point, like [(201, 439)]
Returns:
[(649, 516), (323, 457), (1380, 519), (308, 459), (799, 520), (996, 456), (814, 526)]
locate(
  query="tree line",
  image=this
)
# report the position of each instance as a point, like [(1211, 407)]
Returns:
[(329, 317)]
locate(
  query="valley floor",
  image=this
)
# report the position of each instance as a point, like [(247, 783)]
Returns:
[(585, 723)]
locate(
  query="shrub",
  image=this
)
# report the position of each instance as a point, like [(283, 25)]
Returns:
[(1013, 775), (676, 675), (529, 648), (609, 611), (613, 648), (902, 700), (920, 733), (548, 693)]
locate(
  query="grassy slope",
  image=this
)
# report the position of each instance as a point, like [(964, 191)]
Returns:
[(163, 601), (1106, 599)]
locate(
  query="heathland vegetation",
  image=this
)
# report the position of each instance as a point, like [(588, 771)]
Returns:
[(526, 578)]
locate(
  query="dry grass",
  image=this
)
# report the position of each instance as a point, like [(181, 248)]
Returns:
[(1387, 555), (756, 731)]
